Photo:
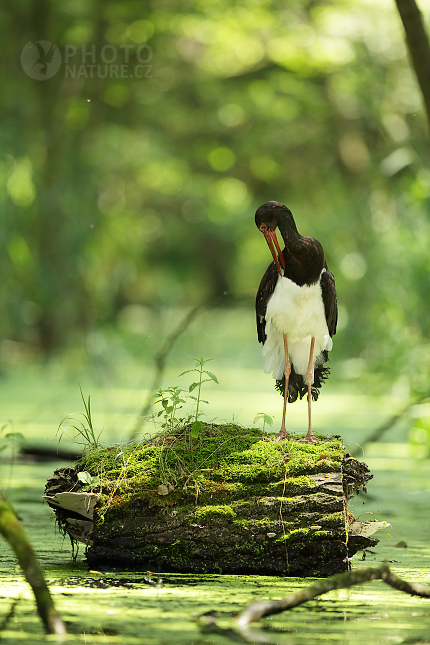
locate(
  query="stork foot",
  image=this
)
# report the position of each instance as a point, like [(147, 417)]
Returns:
[(310, 438), (282, 434)]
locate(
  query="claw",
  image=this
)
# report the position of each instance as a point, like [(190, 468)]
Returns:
[(310, 438), (282, 434)]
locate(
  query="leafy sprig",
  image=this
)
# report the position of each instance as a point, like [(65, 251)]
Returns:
[(170, 400), (266, 418), (197, 385)]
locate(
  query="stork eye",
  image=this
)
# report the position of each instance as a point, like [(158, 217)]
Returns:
[(263, 228)]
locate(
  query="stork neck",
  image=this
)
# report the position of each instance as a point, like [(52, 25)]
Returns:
[(304, 260), (288, 230)]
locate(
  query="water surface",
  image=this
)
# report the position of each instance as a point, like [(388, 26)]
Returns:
[(119, 607)]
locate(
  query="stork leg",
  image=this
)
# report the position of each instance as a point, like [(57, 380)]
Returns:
[(287, 371), (309, 372)]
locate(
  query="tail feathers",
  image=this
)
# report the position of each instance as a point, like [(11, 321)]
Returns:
[(297, 385)]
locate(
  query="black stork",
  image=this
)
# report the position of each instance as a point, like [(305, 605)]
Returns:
[(296, 309)]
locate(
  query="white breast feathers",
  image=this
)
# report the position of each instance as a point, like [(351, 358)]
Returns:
[(299, 313)]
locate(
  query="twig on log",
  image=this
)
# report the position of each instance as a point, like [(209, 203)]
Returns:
[(259, 609), (418, 45), (12, 531)]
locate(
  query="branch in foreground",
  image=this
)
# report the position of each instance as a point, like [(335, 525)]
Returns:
[(258, 609), (12, 531)]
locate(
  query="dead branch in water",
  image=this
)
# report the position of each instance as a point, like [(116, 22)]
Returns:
[(259, 609)]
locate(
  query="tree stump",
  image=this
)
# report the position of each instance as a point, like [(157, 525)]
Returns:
[(235, 501)]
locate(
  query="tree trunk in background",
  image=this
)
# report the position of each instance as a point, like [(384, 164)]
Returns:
[(418, 46), (60, 230)]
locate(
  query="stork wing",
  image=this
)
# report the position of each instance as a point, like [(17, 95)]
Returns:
[(265, 291), (329, 297)]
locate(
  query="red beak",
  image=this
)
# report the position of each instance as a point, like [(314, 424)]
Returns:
[(272, 239)]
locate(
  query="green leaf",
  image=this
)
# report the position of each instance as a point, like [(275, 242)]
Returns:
[(17, 436), (212, 376), (195, 429), (193, 387), (186, 372), (85, 477), (266, 418)]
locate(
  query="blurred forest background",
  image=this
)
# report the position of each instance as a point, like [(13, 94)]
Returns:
[(130, 178)]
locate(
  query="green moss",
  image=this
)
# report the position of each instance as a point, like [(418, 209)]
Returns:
[(225, 512), (210, 481), (334, 520), (305, 535), (227, 459)]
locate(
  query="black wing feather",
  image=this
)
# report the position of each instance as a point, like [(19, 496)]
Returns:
[(265, 291), (329, 297)]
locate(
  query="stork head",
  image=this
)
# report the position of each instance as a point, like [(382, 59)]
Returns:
[(269, 217)]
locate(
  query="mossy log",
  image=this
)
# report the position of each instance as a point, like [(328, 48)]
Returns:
[(236, 501)]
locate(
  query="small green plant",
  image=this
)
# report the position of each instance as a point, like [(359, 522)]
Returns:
[(10, 440), (83, 430), (266, 418), (170, 400), (200, 362), (86, 478)]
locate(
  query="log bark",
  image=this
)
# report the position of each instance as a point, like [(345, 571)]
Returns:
[(253, 510)]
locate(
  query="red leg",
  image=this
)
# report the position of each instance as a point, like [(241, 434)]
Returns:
[(310, 436), (287, 371)]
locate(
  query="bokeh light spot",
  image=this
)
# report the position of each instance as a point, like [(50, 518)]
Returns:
[(221, 159)]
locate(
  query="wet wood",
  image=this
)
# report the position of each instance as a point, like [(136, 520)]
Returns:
[(292, 525)]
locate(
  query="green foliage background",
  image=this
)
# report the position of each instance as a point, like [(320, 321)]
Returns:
[(122, 195)]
